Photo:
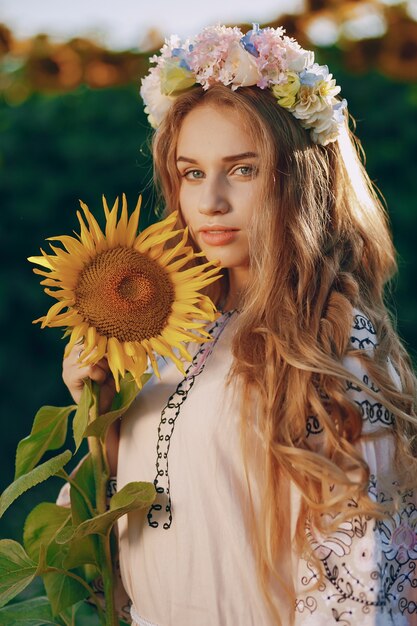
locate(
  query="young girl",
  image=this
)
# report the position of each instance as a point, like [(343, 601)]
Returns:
[(284, 460)]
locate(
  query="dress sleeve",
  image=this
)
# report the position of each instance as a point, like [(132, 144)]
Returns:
[(370, 565)]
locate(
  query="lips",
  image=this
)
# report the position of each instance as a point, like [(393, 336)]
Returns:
[(216, 235)]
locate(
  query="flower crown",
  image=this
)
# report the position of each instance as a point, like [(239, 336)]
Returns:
[(264, 57)]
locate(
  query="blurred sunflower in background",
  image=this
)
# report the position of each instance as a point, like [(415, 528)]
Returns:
[(123, 294)]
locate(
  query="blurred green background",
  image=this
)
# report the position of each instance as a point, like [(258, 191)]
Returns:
[(72, 126)]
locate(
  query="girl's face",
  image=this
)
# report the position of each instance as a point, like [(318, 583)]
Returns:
[(220, 184)]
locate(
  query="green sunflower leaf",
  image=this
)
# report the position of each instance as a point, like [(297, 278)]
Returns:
[(63, 591), (85, 550), (37, 475), (135, 495), (122, 401), (17, 570), (33, 612), (81, 416), (41, 527), (48, 433)]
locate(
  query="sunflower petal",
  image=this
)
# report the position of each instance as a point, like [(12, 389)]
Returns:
[(116, 354), (95, 229), (151, 356), (77, 333), (85, 236), (90, 341), (61, 294), (53, 312), (164, 350), (69, 319), (98, 351), (136, 351), (111, 225), (184, 322), (121, 228), (173, 252), (179, 263), (41, 260), (139, 358), (72, 245), (133, 224), (156, 228), (149, 244)]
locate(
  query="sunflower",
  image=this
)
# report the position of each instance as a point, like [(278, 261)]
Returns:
[(123, 295)]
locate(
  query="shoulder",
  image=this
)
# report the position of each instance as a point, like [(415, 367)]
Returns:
[(359, 386), (363, 334)]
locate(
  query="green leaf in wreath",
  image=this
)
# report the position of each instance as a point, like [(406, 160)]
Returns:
[(33, 612), (135, 495), (48, 433), (122, 401), (81, 416), (38, 475), (17, 570)]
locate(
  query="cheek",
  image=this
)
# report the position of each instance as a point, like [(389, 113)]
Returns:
[(185, 202)]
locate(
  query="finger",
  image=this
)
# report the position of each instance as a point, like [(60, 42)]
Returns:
[(75, 353), (63, 498), (98, 374), (103, 364)]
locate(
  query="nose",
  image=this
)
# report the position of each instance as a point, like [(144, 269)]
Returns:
[(213, 197)]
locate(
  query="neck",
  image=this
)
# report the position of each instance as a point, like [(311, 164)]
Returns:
[(238, 278)]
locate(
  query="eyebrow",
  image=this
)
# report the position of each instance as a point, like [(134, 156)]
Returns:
[(227, 159)]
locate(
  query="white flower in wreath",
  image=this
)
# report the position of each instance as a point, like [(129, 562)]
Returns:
[(157, 103), (297, 58), (325, 124), (240, 68)]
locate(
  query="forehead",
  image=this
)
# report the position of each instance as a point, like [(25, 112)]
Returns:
[(209, 129)]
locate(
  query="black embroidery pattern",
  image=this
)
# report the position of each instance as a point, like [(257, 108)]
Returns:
[(370, 565), (360, 322), (111, 487), (313, 425), (372, 410), (375, 412), (363, 344), (169, 416)]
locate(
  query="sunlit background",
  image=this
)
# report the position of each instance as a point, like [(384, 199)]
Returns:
[(72, 126), (126, 24)]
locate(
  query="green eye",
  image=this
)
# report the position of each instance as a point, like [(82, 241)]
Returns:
[(194, 174), (246, 171)]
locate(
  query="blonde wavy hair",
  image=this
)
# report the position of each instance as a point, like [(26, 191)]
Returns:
[(319, 247)]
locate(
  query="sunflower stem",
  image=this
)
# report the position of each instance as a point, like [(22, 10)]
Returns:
[(101, 476)]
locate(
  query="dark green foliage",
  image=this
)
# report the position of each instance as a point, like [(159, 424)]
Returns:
[(53, 151)]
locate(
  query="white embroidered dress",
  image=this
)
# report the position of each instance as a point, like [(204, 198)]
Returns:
[(188, 561)]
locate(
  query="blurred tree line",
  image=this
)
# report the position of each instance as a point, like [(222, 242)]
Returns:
[(72, 126)]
